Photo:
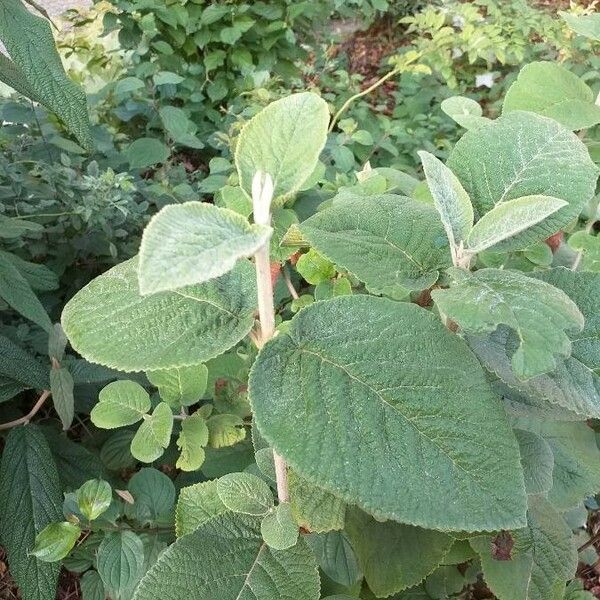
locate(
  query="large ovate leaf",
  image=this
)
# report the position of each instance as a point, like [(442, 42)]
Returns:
[(450, 198), (186, 244), (20, 367), (538, 312), (227, 559), (537, 460), (110, 323), (55, 541), (145, 152), (180, 386), (406, 430), (387, 552), (524, 154), (154, 434), (543, 557), (336, 557), (196, 505), (551, 90), (30, 496), (245, 493), (120, 403), (509, 219), (284, 140), (391, 243), (35, 69), (586, 25)]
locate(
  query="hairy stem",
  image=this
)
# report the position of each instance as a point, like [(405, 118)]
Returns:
[(24, 420), (262, 193)]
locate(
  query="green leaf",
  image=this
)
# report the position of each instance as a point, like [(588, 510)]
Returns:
[(465, 111), (336, 557), (449, 197), (225, 430), (278, 528), (538, 312), (35, 68), (229, 561), (508, 219), (387, 552), (91, 586), (551, 90), (315, 268), (167, 78), (338, 373), (314, 508), (55, 541), (115, 453), (524, 154), (161, 331), (153, 494), (154, 434), (19, 365), (146, 152), (17, 293), (57, 343), (181, 386), (191, 243), (61, 385), (120, 403), (391, 243), (93, 498), (543, 557), (128, 84), (586, 25), (191, 442), (197, 504), (120, 563), (284, 140), (245, 493), (537, 461), (175, 121), (30, 496)]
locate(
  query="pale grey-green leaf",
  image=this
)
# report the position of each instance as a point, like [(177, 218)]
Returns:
[(120, 403), (465, 111), (537, 461), (180, 386), (153, 435), (586, 25), (197, 504), (278, 528), (245, 493)]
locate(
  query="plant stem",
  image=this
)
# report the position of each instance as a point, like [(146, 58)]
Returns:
[(588, 229), (24, 420), (289, 284), (262, 192)]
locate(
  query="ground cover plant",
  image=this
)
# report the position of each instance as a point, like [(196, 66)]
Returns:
[(308, 381)]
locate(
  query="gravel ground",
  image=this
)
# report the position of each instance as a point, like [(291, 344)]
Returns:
[(57, 7)]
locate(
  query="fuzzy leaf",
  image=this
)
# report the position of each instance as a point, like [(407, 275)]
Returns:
[(55, 541), (449, 197), (543, 557), (551, 90), (186, 244), (110, 323), (510, 218), (120, 403), (93, 498), (338, 372), (61, 385), (391, 243), (538, 312), (537, 460), (524, 154), (227, 559), (245, 493), (336, 557), (586, 25), (153, 493), (386, 552), (154, 434), (225, 430), (181, 386), (197, 504), (278, 528), (465, 111), (191, 442), (284, 140)]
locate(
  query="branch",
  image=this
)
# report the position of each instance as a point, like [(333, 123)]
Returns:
[(24, 420)]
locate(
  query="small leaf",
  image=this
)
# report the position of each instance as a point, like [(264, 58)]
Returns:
[(315, 268), (154, 434), (278, 528), (225, 430), (283, 140), (197, 504), (145, 152), (91, 586), (510, 218), (450, 198), (57, 342), (61, 386), (191, 442), (191, 243), (245, 493), (55, 541), (181, 386), (153, 493), (93, 498), (465, 111), (120, 403)]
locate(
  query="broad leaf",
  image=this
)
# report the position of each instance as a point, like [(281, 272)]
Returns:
[(91, 586), (227, 559), (181, 386), (197, 504), (284, 140), (225, 430), (586, 25), (154, 434), (55, 541), (391, 243), (35, 70), (93, 498), (191, 243), (551, 90), (449, 197), (336, 557), (191, 442), (537, 461), (524, 154), (154, 496), (278, 528), (387, 552), (245, 493), (30, 496), (120, 562), (110, 323), (543, 557), (465, 111), (120, 403), (538, 312), (338, 372), (145, 152), (18, 365), (510, 218)]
